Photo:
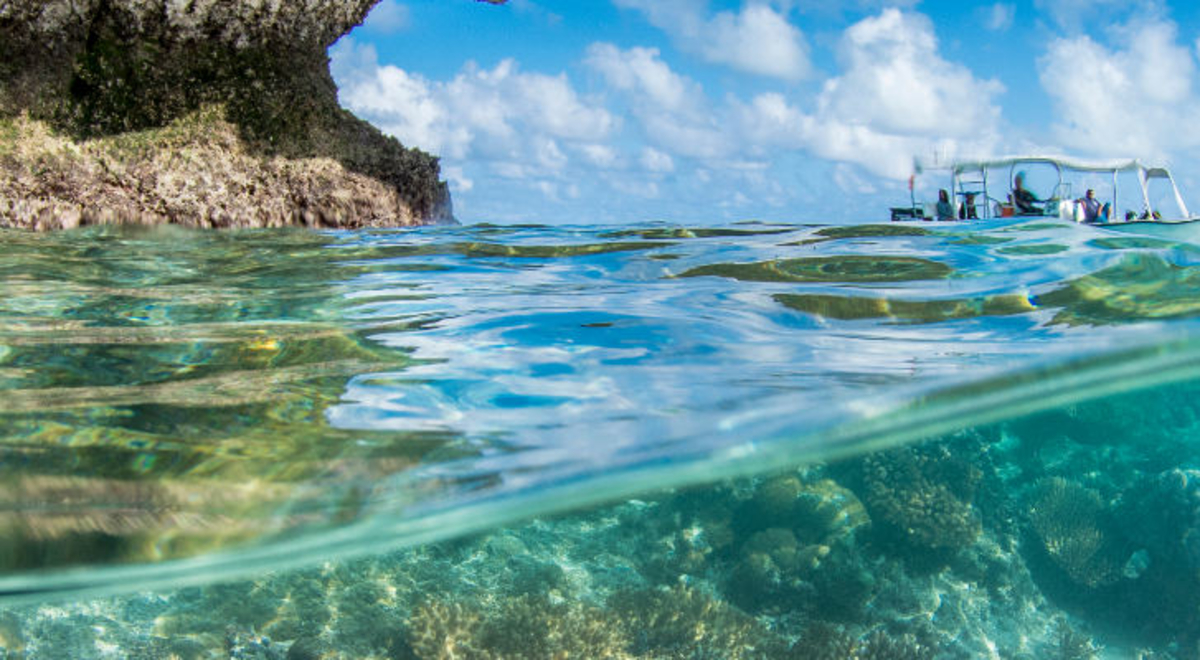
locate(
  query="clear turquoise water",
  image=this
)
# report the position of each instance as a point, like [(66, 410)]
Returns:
[(939, 441)]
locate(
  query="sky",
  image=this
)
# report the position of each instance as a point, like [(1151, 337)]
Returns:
[(716, 111)]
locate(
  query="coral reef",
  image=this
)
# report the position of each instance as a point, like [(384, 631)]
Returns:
[(441, 631), (923, 494), (676, 623), (683, 622), (1162, 514), (826, 642), (151, 79), (793, 546), (790, 565), (1074, 645), (1067, 520)]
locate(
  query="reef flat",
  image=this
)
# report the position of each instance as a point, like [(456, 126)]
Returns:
[(201, 113)]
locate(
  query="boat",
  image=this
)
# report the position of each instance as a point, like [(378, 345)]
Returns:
[(1135, 196)]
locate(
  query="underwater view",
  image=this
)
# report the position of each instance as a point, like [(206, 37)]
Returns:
[(897, 441)]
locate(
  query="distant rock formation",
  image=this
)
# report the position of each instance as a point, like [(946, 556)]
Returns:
[(213, 113)]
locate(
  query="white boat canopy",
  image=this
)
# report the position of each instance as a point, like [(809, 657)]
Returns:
[(972, 176)]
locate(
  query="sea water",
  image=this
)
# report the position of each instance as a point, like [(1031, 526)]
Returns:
[(653, 441)]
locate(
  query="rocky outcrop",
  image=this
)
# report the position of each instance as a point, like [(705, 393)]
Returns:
[(196, 112)]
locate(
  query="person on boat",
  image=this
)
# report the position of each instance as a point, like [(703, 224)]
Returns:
[(1091, 207), (1025, 201), (945, 210), (968, 212)]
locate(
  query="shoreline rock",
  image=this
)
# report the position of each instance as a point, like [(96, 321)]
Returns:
[(205, 113)]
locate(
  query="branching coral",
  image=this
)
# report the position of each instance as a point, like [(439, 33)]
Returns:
[(1067, 518), (925, 494)]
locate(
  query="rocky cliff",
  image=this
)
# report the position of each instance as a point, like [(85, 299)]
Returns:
[(197, 112)]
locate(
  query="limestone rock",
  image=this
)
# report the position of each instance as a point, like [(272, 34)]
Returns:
[(80, 76)]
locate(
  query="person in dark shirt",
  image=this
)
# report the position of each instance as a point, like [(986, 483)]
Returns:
[(1025, 202), (1091, 207), (968, 212)]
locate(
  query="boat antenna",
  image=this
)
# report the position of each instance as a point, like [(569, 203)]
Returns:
[(912, 196)]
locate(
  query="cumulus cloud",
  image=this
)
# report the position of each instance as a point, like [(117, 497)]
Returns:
[(500, 113), (895, 82), (1079, 15), (672, 109), (895, 98), (757, 39), (654, 160), (999, 17), (839, 7), (1131, 101), (388, 17)]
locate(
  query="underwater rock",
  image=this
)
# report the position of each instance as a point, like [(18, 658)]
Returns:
[(202, 113)]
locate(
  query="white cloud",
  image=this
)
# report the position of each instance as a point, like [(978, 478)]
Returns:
[(1000, 16), (388, 17), (654, 160), (399, 103), (1135, 101), (758, 39), (458, 180), (1078, 15), (769, 123), (636, 188), (672, 109), (490, 114), (639, 70), (600, 155), (838, 7), (850, 179), (895, 99), (895, 82), (504, 129)]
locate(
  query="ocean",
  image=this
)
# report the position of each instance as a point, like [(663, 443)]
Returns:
[(754, 440)]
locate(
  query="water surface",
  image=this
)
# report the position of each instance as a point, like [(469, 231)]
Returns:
[(182, 409)]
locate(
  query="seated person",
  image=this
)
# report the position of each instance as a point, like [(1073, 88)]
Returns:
[(1091, 207), (1025, 202), (945, 210), (968, 212)]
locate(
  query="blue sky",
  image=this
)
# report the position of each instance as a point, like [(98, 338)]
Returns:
[(695, 111)]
